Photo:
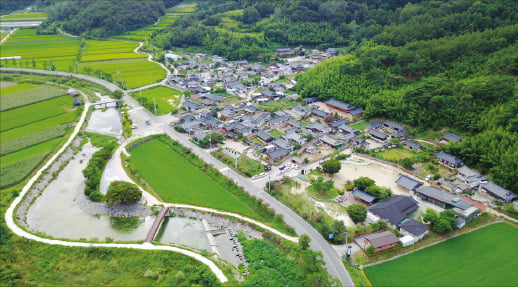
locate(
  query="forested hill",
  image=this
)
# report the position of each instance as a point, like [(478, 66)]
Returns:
[(465, 81), (253, 29), (106, 18)]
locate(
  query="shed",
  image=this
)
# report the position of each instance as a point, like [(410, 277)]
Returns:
[(407, 240), (77, 102)]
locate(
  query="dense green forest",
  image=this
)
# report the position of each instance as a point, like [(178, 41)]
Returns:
[(465, 81), (252, 29), (104, 18)]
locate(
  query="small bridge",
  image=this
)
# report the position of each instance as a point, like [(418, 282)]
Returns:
[(105, 103), (156, 225)]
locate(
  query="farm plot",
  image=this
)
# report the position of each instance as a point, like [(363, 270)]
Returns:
[(176, 180), (30, 131), (16, 88), (166, 99), (55, 52), (132, 72), (109, 50), (30, 96), (34, 112), (485, 257), (20, 143)]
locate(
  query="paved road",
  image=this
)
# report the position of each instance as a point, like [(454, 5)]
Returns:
[(160, 124), (104, 83)]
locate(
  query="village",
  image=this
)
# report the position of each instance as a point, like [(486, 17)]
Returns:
[(249, 116)]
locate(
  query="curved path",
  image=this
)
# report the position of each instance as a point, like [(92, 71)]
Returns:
[(9, 216), (333, 261), (104, 83)]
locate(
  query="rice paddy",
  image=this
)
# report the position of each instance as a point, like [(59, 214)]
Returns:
[(31, 126)]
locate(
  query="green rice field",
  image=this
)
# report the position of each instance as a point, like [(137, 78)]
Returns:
[(176, 180), (31, 128), (485, 257), (110, 60), (31, 96), (166, 99)]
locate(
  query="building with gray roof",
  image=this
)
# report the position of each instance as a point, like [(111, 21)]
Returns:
[(408, 183), (499, 192)]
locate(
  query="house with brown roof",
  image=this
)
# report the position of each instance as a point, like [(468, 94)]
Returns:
[(381, 240)]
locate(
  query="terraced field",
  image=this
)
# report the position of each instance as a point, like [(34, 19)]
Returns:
[(32, 125), (166, 99), (48, 52), (110, 60)]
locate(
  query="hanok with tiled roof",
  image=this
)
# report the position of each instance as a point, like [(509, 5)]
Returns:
[(340, 106), (264, 136), (394, 126), (378, 135), (441, 198), (449, 137), (394, 210), (364, 197), (448, 159), (408, 183), (410, 144), (499, 192)]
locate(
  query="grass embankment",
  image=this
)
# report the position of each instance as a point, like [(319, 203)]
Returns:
[(177, 175), (485, 257), (166, 99)]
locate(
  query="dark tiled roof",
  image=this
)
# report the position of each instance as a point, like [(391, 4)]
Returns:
[(499, 191), (395, 209), (444, 196), (451, 137), (411, 144), (278, 153), (408, 182), (357, 111), (378, 134), (448, 158), (264, 136), (340, 105), (338, 123), (394, 126), (363, 195), (414, 227)]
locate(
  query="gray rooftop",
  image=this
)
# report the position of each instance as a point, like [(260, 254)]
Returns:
[(408, 182), (382, 238), (444, 196), (499, 191), (364, 196)]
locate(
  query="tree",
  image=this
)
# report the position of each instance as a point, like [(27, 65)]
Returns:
[(304, 241), (357, 212), (117, 94), (442, 226), (430, 216), (331, 166), (122, 191), (321, 186), (407, 163), (362, 183)]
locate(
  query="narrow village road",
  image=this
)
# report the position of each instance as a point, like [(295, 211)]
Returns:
[(333, 261)]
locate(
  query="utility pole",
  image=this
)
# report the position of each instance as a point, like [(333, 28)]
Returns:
[(154, 101)]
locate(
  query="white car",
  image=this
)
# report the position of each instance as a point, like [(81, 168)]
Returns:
[(255, 176), (263, 174)]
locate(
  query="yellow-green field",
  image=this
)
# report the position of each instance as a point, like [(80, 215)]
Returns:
[(25, 16), (110, 60)]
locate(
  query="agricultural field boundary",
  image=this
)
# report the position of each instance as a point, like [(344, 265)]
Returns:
[(435, 243), (9, 216), (153, 200)]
